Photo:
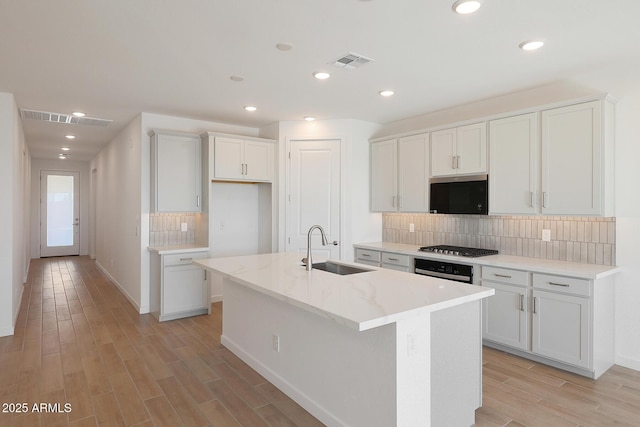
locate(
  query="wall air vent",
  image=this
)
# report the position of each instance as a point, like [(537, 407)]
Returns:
[(63, 118), (351, 61)]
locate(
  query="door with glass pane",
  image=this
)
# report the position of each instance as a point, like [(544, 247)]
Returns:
[(59, 213)]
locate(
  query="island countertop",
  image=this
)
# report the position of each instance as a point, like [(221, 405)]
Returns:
[(361, 301)]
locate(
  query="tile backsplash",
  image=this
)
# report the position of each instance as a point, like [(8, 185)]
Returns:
[(581, 239), (165, 229)]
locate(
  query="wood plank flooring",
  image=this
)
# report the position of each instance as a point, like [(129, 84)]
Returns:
[(79, 342)]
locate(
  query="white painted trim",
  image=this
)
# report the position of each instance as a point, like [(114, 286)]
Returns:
[(294, 393), (7, 331), (141, 310), (628, 362), (534, 109)]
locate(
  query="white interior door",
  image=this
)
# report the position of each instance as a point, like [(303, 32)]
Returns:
[(314, 196), (59, 213)]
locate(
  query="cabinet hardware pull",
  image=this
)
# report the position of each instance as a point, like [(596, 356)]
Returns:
[(544, 199), (198, 201), (366, 255), (531, 199), (535, 311), (457, 162), (394, 259), (453, 162), (186, 259), (393, 203), (564, 285), (502, 275), (521, 302), (246, 168)]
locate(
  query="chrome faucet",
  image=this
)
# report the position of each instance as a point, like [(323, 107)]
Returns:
[(307, 260)]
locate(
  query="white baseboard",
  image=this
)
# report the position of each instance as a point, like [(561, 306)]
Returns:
[(119, 286), (215, 298), (628, 362), (294, 393)]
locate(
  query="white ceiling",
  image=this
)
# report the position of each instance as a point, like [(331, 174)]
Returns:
[(113, 59)]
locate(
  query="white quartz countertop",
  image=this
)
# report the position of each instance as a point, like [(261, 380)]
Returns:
[(361, 301), (177, 249), (536, 265)]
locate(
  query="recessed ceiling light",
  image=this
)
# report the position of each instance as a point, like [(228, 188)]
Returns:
[(465, 7), (65, 148), (78, 114), (237, 78), (321, 75), (70, 136), (250, 108), (284, 46), (531, 45), (386, 93), (309, 118)]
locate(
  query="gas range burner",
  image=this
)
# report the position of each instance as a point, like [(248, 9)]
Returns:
[(458, 251)]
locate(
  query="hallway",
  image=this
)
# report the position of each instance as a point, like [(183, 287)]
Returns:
[(79, 342)]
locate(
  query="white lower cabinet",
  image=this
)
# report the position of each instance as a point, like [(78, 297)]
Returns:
[(395, 261), (561, 327), (566, 322), (179, 288)]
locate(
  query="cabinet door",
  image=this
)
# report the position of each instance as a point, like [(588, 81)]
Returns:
[(258, 160), (443, 145), (572, 160), (177, 173), (384, 176), (413, 174), (228, 158), (471, 149), (505, 319), (184, 289), (561, 327), (513, 167)]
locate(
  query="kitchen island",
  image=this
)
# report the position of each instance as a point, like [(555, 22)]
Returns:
[(375, 348)]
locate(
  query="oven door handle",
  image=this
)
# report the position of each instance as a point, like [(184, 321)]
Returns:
[(456, 277)]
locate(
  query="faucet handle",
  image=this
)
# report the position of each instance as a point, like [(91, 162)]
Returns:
[(304, 260), (335, 243)]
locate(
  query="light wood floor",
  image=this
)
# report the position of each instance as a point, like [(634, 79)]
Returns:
[(79, 341)]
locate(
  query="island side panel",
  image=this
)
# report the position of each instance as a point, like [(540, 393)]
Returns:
[(456, 364), (342, 376)]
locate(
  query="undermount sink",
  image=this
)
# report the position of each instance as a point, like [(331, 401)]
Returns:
[(340, 269)]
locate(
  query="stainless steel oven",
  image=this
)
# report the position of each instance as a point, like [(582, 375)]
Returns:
[(444, 270)]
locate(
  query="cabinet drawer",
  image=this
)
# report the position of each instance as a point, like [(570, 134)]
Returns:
[(396, 267), (506, 275), (567, 285), (395, 259), (184, 258), (368, 255)]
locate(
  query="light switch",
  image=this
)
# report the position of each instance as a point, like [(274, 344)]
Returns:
[(546, 235), (412, 228), (183, 226)]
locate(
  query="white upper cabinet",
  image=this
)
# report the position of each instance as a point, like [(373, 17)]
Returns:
[(399, 175), (513, 165), (459, 151), (176, 173), (576, 150), (242, 159)]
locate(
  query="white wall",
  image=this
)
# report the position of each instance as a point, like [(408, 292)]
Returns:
[(359, 225), (14, 174), (38, 165)]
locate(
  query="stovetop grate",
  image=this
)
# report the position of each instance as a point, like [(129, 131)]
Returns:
[(459, 251)]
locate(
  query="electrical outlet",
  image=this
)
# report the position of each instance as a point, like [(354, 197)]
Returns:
[(412, 228), (546, 235), (275, 343), (183, 226)]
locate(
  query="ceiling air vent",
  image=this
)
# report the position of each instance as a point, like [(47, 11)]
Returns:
[(63, 118), (351, 61)]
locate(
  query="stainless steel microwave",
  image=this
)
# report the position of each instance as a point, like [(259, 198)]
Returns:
[(460, 195)]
